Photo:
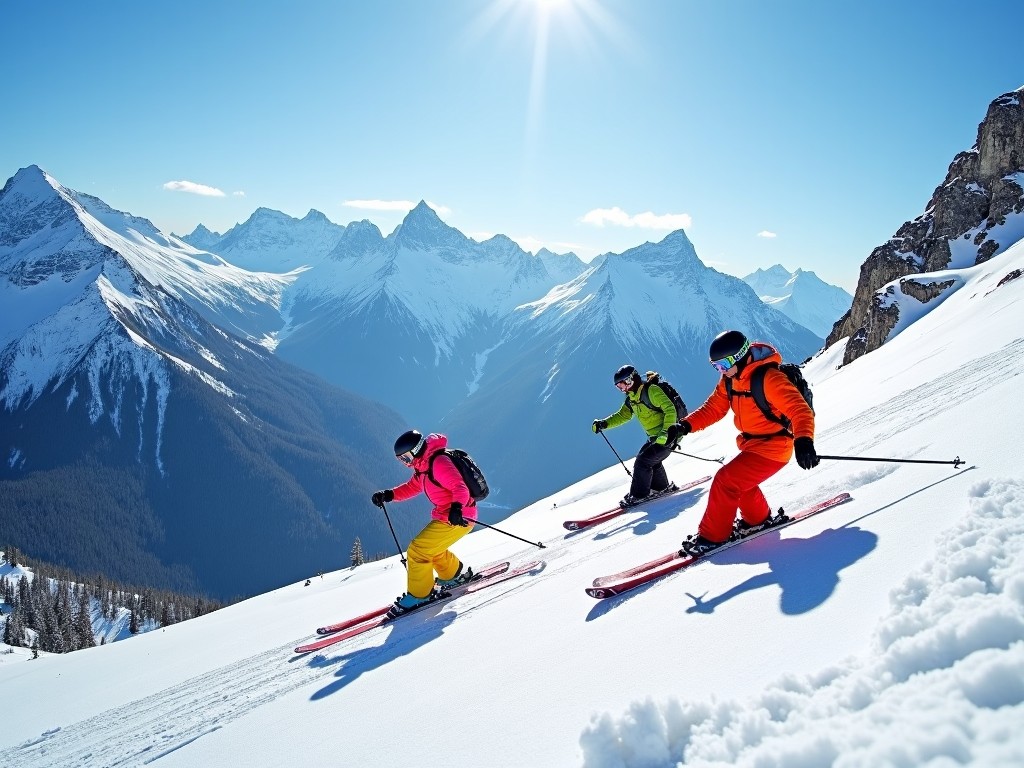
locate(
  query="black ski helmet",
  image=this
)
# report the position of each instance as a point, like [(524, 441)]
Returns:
[(412, 440), (625, 373), (729, 344)]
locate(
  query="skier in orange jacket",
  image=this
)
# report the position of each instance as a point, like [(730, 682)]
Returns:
[(765, 447)]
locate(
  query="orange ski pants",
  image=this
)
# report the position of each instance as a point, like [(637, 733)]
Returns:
[(737, 486)]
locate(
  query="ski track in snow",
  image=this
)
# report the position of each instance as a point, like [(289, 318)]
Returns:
[(175, 717), (167, 720), (918, 404)]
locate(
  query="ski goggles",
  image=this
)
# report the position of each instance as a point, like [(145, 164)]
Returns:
[(406, 458), (729, 361)]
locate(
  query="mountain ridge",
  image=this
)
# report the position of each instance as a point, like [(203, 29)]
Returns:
[(802, 296), (137, 383)]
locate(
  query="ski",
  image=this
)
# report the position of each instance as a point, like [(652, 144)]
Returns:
[(578, 525), (379, 618), (619, 583), (487, 573)]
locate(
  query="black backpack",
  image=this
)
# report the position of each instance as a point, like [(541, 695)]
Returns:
[(471, 473), (791, 372), (670, 393)]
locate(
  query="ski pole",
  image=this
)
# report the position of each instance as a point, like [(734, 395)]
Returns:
[(713, 461), (616, 453), (955, 462), (534, 543), (387, 517)]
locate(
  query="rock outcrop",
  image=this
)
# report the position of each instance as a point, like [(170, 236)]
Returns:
[(963, 224)]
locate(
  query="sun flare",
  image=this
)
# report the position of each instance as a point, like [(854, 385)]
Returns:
[(569, 32)]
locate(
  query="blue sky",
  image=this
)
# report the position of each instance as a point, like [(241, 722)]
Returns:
[(802, 133)]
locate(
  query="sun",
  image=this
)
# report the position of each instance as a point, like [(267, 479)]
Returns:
[(548, 5), (543, 27)]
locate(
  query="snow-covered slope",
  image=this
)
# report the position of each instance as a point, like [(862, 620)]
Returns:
[(801, 296), (889, 631)]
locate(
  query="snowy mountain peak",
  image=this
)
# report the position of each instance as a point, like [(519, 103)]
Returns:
[(800, 295), (272, 241), (31, 179), (423, 229), (316, 216), (202, 231), (359, 238), (41, 234), (266, 213), (644, 297), (672, 257), (775, 273), (563, 267), (201, 238)]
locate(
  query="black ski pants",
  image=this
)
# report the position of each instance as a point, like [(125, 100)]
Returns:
[(648, 470)]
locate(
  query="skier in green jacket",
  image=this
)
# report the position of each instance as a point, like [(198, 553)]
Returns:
[(657, 415)]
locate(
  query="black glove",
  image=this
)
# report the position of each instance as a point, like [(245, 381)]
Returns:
[(599, 425), (685, 428), (675, 433), (455, 515), (806, 456), (379, 497)]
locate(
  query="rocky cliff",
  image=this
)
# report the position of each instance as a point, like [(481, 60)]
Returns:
[(975, 213)]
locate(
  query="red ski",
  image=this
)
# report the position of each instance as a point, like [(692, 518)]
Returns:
[(577, 525), (617, 584), (487, 573), (495, 575)]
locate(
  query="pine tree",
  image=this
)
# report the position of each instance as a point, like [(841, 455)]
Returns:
[(14, 630), (357, 553), (83, 623)]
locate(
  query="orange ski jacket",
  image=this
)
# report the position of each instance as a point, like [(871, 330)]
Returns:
[(782, 396)]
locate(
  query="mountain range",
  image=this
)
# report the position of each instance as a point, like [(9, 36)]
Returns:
[(248, 411), (504, 350), (801, 296), (144, 441)]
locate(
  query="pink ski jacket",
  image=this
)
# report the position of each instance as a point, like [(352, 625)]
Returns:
[(449, 485)]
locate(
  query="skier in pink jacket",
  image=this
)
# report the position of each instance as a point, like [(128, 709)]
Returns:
[(452, 518)]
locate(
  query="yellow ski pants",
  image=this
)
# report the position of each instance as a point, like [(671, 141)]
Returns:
[(428, 552)]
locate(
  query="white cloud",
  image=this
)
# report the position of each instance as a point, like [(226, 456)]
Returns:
[(617, 217), (193, 188), (239, 193), (766, 234)]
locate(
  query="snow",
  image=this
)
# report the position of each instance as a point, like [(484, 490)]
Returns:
[(887, 631), (165, 261), (802, 296)]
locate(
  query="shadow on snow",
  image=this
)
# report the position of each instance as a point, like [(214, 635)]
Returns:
[(805, 570), (406, 636)]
